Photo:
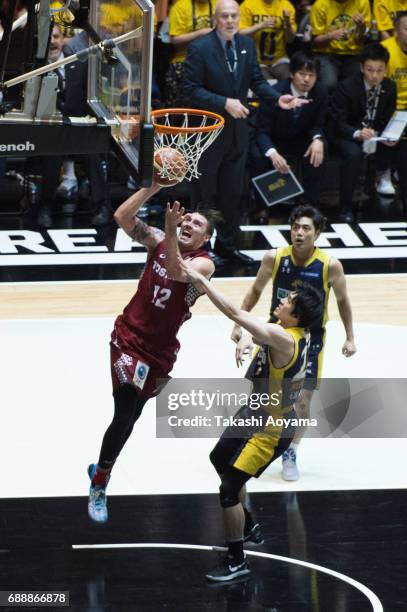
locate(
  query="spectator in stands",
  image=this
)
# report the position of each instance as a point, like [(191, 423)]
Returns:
[(72, 101), (219, 70), (189, 20), (385, 12), (397, 71), (272, 25), (299, 132), (338, 29), (361, 106), (303, 37)]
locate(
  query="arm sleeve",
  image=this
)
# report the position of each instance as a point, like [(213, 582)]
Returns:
[(178, 20), (391, 105), (318, 21), (245, 16), (291, 10), (320, 113), (382, 16), (367, 13), (264, 125), (340, 110)]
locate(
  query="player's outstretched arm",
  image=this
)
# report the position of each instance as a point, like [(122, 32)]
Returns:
[(125, 217), (251, 298), (268, 333), (174, 263), (338, 282)]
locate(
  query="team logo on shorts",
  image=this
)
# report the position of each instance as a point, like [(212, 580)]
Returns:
[(140, 374)]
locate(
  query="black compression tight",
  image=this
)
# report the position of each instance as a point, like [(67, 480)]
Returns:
[(127, 409)]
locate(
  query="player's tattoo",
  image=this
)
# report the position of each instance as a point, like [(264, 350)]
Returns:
[(145, 234)]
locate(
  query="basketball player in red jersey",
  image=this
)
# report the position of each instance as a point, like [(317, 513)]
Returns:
[(144, 343)]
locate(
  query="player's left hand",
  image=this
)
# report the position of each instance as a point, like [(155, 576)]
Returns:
[(244, 347), (287, 102), (349, 348), (174, 214)]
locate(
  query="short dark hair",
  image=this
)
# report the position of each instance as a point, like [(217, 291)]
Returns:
[(303, 60), (306, 210), (212, 216), (376, 52), (399, 16), (309, 307)]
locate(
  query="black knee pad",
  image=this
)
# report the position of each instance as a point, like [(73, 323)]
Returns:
[(214, 459), (228, 494), (219, 458)]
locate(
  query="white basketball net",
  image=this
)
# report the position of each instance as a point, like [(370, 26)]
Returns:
[(190, 145)]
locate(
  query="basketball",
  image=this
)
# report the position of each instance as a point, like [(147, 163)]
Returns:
[(172, 161)]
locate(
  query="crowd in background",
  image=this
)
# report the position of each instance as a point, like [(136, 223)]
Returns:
[(348, 57)]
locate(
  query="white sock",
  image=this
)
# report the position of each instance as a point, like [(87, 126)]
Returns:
[(68, 170), (294, 446)]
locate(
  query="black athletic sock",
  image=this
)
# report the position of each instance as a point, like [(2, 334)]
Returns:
[(248, 523), (236, 551)]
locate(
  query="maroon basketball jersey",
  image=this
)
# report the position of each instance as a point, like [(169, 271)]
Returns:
[(150, 322)]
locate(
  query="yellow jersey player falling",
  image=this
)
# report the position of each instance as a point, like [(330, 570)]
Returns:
[(259, 436)]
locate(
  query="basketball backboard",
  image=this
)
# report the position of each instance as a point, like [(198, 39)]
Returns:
[(119, 85), (119, 90)]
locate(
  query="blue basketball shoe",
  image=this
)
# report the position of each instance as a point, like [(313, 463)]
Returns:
[(97, 505)]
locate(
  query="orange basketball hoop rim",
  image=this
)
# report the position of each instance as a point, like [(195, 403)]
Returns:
[(188, 130), (218, 120)]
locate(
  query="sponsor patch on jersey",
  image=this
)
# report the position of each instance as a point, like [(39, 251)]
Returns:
[(140, 374)]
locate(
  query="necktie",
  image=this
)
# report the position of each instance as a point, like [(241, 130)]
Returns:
[(61, 80), (370, 104), (230, 56), (371, 96), (297, 110)]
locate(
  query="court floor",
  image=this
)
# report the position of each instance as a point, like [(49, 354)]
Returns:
[(334, 541)]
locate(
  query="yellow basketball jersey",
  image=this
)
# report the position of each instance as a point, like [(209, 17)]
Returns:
[(282, 385), (188, 16), (270, 43), (397, 70), (288, 276), (385, 11), (328, 15)]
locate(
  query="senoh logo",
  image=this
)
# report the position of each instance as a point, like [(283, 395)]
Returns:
[(27, 146)]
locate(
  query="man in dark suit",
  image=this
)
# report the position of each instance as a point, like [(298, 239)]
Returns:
[(299, 132), (220, 68), (71, 101), (361, 107)]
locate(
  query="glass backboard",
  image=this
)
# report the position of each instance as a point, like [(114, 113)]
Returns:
[(119, 86)]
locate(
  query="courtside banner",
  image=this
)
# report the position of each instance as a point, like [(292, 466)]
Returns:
[(340, 408), (275, 187)]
